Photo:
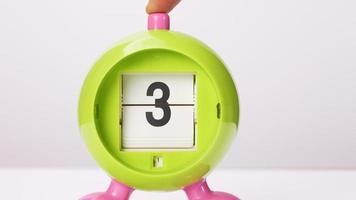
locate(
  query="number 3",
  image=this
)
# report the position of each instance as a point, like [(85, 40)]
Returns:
[(159, 103)]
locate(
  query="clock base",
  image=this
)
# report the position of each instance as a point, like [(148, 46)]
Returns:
[(116, 191), (196, 191), (201, 190)]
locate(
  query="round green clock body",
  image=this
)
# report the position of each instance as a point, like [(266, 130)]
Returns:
[(158, 111)]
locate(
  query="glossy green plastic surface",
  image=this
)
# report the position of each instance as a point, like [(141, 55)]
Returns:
[(217, 111)]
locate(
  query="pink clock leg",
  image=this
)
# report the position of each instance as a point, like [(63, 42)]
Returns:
[(201, 191), (116, 191)]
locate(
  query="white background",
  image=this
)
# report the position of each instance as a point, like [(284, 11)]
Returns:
[(293, 60)]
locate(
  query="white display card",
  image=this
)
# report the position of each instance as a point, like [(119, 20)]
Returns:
[(158, 111)]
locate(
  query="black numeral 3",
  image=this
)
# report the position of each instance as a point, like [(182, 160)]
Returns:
[(159, 103)]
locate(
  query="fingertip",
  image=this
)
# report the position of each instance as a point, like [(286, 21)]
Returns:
[(165, 6)]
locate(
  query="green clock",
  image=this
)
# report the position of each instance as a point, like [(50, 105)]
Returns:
[(157, 112)]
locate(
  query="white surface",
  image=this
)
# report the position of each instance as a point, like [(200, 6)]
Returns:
[(293, 60), (247, 184), (177, 133), (181, 87)]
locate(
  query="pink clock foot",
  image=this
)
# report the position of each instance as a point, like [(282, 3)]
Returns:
[(116, 191), (201, 191)]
